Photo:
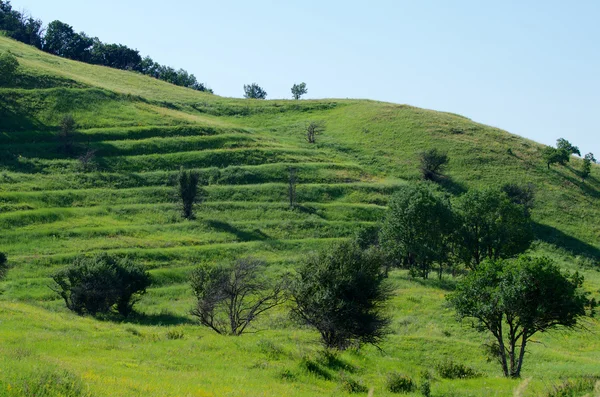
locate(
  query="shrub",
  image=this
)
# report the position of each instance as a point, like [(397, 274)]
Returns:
[(8, 68), (100, 284), (187, 190), (230, 297), (174, 334), (452, 370), (340, 292), (3, 265), (432, 163), (573, 388), (398, 383), (350, 385), (425, 388)]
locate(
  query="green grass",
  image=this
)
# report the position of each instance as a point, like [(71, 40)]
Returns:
[(143, 131)]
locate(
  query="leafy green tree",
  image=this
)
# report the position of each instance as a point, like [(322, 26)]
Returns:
[(567, 147), (8, 69), (340, 292), (298, 90), (417, 229), (432, 163), (561, 154), (314, 128), (514, 300), (254, 91), (586, 166), (100, 283), (62, 40), (229, 298), (491, 227), (3, 265), (523, 195), (188, 192)]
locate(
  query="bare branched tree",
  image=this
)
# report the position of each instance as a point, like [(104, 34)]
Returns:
[(314, 128), (230, 297)]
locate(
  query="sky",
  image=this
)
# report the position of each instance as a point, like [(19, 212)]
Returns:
[(530, 67)]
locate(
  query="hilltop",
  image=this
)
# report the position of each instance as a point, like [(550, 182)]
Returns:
[(144, 130)]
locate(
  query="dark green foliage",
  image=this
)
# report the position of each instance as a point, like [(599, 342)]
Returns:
[(340, 292), (432, 163), (523, 195), (398, 383), (298, 90), (425, 388), (230, 297), (3, 265), (492, 226), (450, 369), (187, 190), (8, 69), (314, 128), (100, 283), (586, 166), (352, 386), (48, 383), (62, 40), (513, 300), (561, 154), (20, 26), (417, 228), (254, 91), (66, 134), (563, 144)]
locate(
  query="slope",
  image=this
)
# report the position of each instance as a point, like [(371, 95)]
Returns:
[(143, 130)]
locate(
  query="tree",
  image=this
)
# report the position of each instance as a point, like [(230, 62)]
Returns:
[(516, 299), (254, 91), (101, 283), (586, 166), (230, 297), (417, 228), (292, 181), (561, 154), (3, 265), (340, 292), (62, 40), (8, 68), (314, 128), (65, 134), (491, 226), (523, 195), (432, 162), (298, 90), (566, 146), (188, 192)]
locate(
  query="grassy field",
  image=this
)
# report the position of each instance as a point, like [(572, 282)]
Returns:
[(143, 131)]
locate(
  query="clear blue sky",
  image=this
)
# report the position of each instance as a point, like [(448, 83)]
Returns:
[(530, 67)]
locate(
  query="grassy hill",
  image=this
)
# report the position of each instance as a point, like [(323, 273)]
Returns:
[(144, 130)]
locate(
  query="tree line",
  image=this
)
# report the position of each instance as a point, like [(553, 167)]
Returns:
[(60, 39)]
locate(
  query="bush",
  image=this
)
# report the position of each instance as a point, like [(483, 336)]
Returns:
[(350, 385), (398, 383), (100, 284), (432, 163), (452, 370), (3, 265), (425, 388), (8, 68), (340, 292)]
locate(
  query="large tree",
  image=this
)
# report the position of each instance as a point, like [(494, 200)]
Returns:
[(63, 41), (491, 226), (340, 292), (514, 300), (254, 91), (417, 229)]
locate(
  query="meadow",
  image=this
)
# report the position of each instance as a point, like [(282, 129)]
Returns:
[(143, 130)]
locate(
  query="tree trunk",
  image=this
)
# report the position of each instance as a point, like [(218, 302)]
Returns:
[(521, 355), (502, 353)]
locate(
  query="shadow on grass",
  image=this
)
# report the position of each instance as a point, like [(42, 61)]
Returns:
[(450, 185), (307, 210), (589, 187), (443, 284), (242, 235), (157, 319), (575, 246)]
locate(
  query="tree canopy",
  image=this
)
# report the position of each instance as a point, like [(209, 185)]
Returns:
[(514, 300), (254, 91), (298, 90)]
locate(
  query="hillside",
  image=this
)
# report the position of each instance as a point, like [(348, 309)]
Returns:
[(144, 130)]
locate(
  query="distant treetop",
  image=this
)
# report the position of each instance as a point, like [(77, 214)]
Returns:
[(60, 39)]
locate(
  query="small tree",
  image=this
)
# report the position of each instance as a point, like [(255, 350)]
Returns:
[(432, 163), (340, 292), (188, 192), (100, 283), (586, 166), (3, 265), (292, 181), (298, 90), (523, 195), (567, 147), (561, 154), (86, 160), (254, 91), (491, 227), (65, 134), (8, 68), (517, 299), (417, 228), (314, 128), (229, 298)]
